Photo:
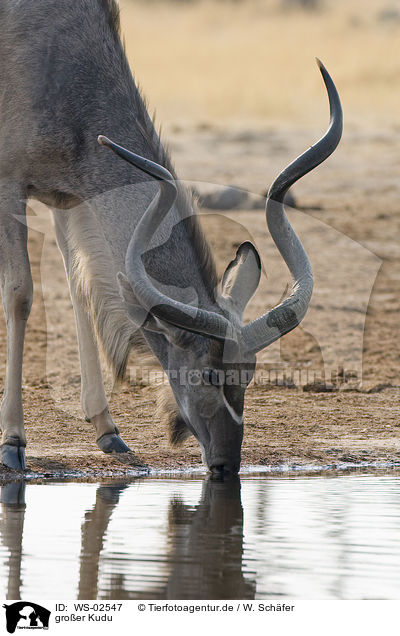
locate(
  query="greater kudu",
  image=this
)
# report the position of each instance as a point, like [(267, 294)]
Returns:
[(140, 272)]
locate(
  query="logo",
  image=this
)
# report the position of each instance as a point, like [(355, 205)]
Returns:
[(26, 615)]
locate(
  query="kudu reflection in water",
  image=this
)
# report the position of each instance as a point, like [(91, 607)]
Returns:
[(204, 546), (207, 545)]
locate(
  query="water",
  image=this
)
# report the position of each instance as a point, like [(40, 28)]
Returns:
[(318, 537)]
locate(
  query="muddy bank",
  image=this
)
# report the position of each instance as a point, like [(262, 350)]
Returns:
[(283, 426)]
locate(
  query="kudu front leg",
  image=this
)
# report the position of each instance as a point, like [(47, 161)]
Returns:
[(16, 292), (93, 396)]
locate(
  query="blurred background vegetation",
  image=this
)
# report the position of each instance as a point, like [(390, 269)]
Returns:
[(225, 61)]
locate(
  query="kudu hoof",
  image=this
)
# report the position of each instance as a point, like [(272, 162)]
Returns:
[(13, 456), (113, 444)]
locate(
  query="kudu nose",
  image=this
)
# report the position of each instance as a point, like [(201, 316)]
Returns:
[(219, 469)]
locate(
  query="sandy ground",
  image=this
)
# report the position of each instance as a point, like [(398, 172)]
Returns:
[(329, 392)]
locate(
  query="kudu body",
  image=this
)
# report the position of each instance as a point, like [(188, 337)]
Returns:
[(140, 273)]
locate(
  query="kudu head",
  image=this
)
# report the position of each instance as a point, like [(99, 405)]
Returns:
[(211, 356)]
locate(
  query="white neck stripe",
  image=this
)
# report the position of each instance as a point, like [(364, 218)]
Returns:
[(237, 418)]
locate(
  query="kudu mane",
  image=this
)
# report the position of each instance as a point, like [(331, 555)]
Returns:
[(112, 12)]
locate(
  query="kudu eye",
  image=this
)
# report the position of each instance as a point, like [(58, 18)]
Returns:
[(213, 376)]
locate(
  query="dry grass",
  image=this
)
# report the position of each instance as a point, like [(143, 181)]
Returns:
[(250, 61)]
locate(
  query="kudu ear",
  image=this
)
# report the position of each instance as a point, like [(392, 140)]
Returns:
[(142, 319), (242, 276)]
